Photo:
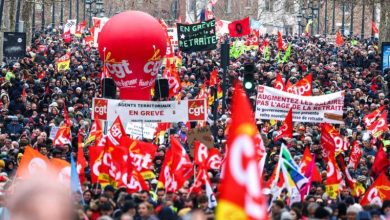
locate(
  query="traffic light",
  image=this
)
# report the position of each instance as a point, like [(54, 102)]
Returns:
[(249, 79)]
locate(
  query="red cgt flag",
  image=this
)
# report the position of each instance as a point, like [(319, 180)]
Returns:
[(67, 36), (214, 78), (280, 41), (286, 130), (374, 28), (303, 87), (309, 168), (371, 117), (239, 28), (81, 161), (378, 192), (379, 126), (241, 170), (279, 84), (339, 39), (381, 162)]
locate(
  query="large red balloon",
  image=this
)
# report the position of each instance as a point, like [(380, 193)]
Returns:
[(133, 44)]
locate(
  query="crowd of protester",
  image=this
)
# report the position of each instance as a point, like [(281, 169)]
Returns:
[(27, 120)]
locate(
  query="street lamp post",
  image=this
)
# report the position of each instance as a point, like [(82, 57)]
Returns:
[(373, 20), (43, 17), (84, 9), (334, 17), (98, 8), (62, 13), (32, 20), (17, 16), (53, 15), (351, 25), (299, 19), (1, 13), (363, 13), (343, 18), (326, 18), (70, 9), (77, 11), (317, 9)]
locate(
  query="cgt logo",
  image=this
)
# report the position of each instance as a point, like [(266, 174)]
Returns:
[(100, 109), (196, 110), (261, 89)]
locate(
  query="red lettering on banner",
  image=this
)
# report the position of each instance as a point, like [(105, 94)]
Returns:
[(152, 113), (132, 112)]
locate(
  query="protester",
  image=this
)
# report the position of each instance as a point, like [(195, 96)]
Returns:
[(35, 96)]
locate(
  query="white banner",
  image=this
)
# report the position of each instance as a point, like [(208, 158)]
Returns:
[(70, 25), (149, 111), (97, 30), (172, 34), (138, 130), (274, 104)]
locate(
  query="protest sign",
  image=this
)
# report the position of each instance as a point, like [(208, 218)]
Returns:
[(203, 135), (53, 132), (149, 111), (139, 130), (197, 37), (274, 104), (172, 35), (14, 46)]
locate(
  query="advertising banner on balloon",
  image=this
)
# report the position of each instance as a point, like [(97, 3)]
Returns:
[(197, 37), (274, 104), (149, 111), (132, 45)]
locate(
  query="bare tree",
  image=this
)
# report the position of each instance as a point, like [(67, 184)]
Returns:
[(12, 14)]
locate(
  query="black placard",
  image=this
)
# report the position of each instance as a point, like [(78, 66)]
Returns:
[(14, 46), (197, 37)]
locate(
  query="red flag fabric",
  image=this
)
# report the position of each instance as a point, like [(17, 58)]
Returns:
[(355, 155), (241, 170), (95, 160), (310, 172), (339, 39), (172, 75), (280, 41), (200, 153), (371, 117), (286, 130), (177, 167), (32, 163), (333, 178), (117, 135), (67, 36), (80, 27), (214, 160), (356, 187), (95, 134), (63, 136), (214, 78), (331, 140), (142, 155), (378, 192), (378, 127), (239, 28), (303, 87), (381, 162), (279, 84), (374, 28), (24, 95), (66, 116), (81, 161)]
